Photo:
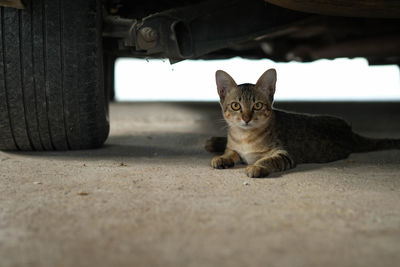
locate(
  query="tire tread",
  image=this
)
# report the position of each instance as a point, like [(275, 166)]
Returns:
[(51, 87)]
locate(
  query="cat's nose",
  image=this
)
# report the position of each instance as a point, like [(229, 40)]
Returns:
[(246, 118)]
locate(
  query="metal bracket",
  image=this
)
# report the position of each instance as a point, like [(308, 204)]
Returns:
[(195, 30)]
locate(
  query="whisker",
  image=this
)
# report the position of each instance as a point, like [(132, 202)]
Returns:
[(224, 127), (220, 121)]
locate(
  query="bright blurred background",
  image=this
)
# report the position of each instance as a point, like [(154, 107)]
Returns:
[(332, 80)]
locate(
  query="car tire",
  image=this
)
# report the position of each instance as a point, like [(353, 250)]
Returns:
[(52, 93), (109, 69)]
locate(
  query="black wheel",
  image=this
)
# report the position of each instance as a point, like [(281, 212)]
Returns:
[(109, 69), (51, 76)]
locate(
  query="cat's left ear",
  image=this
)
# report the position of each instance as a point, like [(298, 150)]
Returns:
[(267, 83)]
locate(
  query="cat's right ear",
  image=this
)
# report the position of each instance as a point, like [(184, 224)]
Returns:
[(267, 83), (224, 83)]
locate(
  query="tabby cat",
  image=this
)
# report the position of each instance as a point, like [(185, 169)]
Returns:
[(271, 140)]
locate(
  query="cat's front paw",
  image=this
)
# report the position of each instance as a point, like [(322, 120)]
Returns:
[(221, 162), (254, 171)]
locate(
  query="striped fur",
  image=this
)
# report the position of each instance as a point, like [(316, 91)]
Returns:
[(251, 137), (271, 140)]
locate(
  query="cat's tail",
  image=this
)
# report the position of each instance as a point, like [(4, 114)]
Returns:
[(366, 144), (216, 144)]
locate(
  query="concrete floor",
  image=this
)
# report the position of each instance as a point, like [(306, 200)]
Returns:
[(150, 198)]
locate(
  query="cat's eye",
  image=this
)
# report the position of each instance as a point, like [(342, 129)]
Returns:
[(258, 106), (235, 106)]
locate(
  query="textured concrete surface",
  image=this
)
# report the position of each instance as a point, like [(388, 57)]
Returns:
[(150, 198)]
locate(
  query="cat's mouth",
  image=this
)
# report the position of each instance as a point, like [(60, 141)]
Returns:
[(245, 125)]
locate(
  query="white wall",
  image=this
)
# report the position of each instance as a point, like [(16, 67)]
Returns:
[(340, 79)]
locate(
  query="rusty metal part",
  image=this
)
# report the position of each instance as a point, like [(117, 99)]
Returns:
[(12, 3), (346, 8), (147, 38), (195, 30), (253, 29)]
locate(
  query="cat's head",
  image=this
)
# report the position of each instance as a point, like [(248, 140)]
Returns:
[(246, 106)]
